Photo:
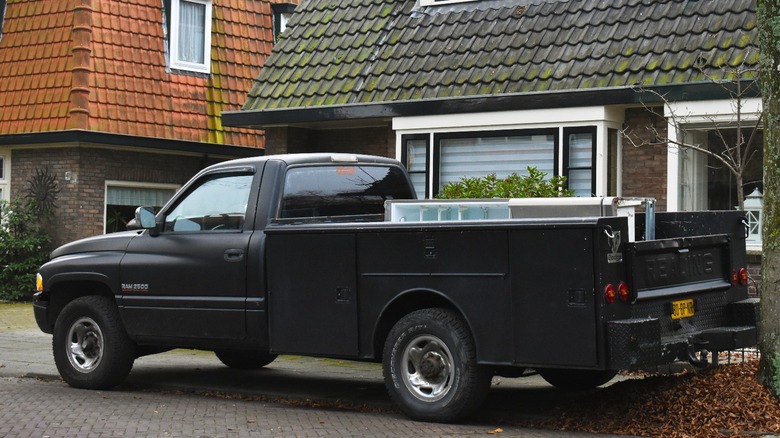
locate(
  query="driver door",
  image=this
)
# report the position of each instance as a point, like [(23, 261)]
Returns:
[(187, 278)]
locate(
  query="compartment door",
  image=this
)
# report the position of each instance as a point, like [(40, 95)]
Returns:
[(553, 297), (312, 294)]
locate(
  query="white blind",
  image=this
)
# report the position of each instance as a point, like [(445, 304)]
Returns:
[(136, 197), (416, 159), (481, 156), (581, 158)]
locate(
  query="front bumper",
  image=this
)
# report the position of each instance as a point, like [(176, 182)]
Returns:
[(639, 343), (40, 310)]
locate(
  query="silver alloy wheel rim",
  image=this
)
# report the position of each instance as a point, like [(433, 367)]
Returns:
[(427, 368), (85, 345)]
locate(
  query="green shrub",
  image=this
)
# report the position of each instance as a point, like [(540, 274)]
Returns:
[(24, 247), (532, 185)]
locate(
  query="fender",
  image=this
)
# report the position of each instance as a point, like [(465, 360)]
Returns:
[(405, 302), (102, 267)]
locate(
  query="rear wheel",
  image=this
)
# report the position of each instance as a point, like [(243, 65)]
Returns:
[(244, 359), (576, 380), (91, 348), (430, 367)]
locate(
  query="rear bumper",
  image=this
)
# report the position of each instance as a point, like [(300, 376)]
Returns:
[(638, 343)]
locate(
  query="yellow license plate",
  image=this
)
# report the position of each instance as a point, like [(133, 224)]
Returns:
[(682, 309)]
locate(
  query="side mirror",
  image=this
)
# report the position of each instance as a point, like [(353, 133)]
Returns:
[(145, 219)]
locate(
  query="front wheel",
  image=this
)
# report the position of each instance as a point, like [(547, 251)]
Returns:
[(91, 348), (430, 366)]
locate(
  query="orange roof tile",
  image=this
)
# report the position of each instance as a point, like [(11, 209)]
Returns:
[(101, 66)]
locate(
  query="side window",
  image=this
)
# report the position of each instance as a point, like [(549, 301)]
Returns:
[(350, 190), (415, 156), (579, 154), (217, 204)]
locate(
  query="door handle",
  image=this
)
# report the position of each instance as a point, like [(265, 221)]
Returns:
[(234, 255)]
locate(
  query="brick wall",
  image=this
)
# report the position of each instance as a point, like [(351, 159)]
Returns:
[(81, 200), (754, 271), (373, 141), (644, 167)]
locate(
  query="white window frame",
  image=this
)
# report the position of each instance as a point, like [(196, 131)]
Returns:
[(685, 115), (603, 117), (175, 36), (134, 185), (5, 175)]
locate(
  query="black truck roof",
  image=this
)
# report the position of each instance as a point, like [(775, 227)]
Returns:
[(306, 158)]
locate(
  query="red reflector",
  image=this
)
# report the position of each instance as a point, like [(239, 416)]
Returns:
[(623, 292), (734, 278), (609, 294), (743, 276)]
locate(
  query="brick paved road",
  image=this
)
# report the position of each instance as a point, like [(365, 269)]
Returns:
[(186, 393), (38, 408)]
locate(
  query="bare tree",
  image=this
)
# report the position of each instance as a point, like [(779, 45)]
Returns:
[(734, 152)]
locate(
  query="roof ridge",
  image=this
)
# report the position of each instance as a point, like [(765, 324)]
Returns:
[(376, 49), (81, 52)]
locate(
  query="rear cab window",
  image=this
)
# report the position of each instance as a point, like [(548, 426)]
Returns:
[(343, 192)]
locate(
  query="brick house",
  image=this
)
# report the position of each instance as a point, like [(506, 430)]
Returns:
[(121, 102), (469, 87)]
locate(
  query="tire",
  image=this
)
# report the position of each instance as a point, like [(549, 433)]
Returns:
[(576, 380), (244, 359), (430, 368), (91, 348)]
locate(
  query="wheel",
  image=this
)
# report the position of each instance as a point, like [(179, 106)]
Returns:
[(244, 360), (576, 380), (430, 366), (90, 345)]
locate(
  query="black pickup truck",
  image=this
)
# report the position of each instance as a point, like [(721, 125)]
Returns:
[(296, 254)]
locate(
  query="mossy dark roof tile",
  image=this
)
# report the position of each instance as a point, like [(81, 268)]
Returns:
[(396, 50)]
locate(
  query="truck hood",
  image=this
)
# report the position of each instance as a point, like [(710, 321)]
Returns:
[(106, 242)]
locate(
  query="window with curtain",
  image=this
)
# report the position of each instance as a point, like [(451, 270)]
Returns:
[(121, 202), (470, 156), (190, 40)]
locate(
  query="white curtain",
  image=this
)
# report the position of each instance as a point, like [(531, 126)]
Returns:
[(133, 196), (192, 32)]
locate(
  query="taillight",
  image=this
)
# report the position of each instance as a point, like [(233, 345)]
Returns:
[(623, 293), (739, 277), (743, 276), (609, 294)]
